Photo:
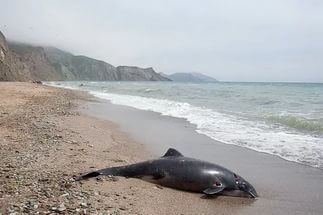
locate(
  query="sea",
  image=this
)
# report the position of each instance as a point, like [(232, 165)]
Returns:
[(283, 119)]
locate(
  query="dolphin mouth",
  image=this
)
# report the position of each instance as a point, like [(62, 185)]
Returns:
[(252, 193)]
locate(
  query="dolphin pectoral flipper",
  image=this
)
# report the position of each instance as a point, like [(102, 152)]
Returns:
[(159, 175), (213, 190)]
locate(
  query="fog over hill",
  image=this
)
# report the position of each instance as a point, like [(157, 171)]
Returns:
[(23, 62)]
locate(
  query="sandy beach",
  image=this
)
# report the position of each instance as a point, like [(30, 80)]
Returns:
[(46, 142), (50, 135)]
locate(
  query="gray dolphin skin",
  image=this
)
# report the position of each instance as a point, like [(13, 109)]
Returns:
[(176, 171)]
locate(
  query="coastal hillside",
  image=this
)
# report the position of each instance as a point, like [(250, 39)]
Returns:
[(190, 77), (73, 67), (22, 62), (32, 65)]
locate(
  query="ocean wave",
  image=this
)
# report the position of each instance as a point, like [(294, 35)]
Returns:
[(299, 123)]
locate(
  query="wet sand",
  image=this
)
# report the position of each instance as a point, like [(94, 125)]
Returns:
[(284, 187), (50, 135)]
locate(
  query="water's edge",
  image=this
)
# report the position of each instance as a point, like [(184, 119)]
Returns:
[(310, 155)]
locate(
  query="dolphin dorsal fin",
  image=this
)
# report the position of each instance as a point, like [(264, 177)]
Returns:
[(172, 153)]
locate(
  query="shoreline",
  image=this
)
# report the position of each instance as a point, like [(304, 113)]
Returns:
[(50, 135), (288, 144), (46, 142), (284, 186)]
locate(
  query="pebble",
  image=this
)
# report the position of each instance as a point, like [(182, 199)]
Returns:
[(83, 204), (123, 208), (95, 193), (61, 207), (64, 195), (99, 179)]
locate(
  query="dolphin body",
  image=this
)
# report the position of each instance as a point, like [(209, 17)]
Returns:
[(183, 173)]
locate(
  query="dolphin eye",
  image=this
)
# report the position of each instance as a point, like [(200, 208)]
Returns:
[(218, 184)]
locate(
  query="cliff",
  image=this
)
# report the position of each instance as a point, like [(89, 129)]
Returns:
[(11, 67), (21, 62), (139, 74)]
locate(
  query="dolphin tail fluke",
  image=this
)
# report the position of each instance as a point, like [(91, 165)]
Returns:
[(107, 171), (88, 175)]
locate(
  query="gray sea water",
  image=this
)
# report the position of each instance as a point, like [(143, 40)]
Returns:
[(284, 119)]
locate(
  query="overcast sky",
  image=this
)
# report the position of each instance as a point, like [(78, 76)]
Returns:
[(231, 40)]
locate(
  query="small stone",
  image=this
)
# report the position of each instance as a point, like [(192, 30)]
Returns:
[(83, 204), (61, 207), (113, 178), (64, 195), (99, 179), (123, 208)]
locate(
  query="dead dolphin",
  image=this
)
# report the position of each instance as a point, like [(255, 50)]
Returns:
[(183, 173)]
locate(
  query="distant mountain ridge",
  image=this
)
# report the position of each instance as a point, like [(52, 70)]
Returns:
[(190, 77), (22, 62)]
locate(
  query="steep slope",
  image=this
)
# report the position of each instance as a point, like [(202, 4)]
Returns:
[(80, 67), (85, 68), (21, 62), (35, 60), (11, 66), (139, 74), (4, 69)]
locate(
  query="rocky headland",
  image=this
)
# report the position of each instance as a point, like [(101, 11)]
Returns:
[(22, 62)]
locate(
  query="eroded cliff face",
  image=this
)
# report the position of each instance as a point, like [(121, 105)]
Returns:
[(21, 62), (3, 43), (6, 68), (84, 68), (139, 74), (35, 62), (23, 65)]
